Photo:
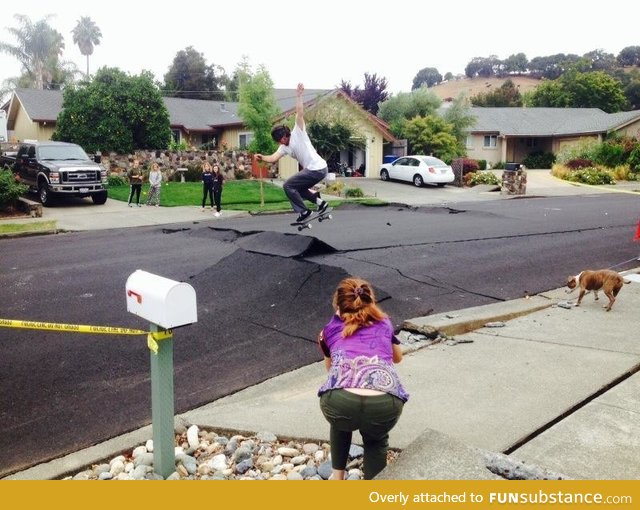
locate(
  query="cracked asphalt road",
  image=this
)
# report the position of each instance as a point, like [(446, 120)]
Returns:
[(263, 292)]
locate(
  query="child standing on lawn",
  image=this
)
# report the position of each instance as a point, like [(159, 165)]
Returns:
[(207, 184), (155, 183), (216, 187)]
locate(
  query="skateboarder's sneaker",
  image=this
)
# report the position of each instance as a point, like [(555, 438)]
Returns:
[(323, 207), (303, 216)]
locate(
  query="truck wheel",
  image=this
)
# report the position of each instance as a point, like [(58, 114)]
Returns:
[(46, 197), (99, 198)]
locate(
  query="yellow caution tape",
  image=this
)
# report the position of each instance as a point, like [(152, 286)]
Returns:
[(154, 337), (72, 328)]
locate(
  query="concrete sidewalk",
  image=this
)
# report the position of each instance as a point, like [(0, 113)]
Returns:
[(556, 387)]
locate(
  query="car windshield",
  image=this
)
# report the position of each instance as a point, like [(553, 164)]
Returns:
[(62, 152), (431, 161)]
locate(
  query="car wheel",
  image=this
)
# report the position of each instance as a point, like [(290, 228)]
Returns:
[(418, 181), (441, 184), (384, 175), (46, 197), (99, 198)]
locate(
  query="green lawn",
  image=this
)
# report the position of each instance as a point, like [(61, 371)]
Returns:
[(32, 226), (242, 195)]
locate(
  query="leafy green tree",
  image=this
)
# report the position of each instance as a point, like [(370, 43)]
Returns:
[(506, 95), (369, 97), (189, 76), (515, 64), (405, 106), (600, 60), (333, 126), (551, 66), (329, 139), (240, 73), (428, 76), (483, 67), (432, 135), (632, 93), (549, 93), (86, 35), (580, 90), (629, 56), (257, 108), (448, 76), (114, 112), (38, 48), (459, 115)]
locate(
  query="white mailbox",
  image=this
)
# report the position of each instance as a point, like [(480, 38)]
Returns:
[(162, 301)]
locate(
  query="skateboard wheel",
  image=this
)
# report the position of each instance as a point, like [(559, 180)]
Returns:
[(300, 229)]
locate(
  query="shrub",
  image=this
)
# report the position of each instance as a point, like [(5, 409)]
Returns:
[(622, 173), (634, 159), (116, 180), (335, 188), (475, 178), (482, 164), (610, 154), (10, 189), (499, 165), (469, 165), (354, 193), (242, 174), (584, 150), (591, 175), (539, 160), (575, 164), (560, 171)]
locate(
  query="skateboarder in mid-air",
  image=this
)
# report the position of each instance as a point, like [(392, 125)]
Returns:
[(296, 143)]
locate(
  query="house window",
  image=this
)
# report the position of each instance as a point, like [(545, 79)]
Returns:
[(176, 135), (531, 142), (244, 139), (490, 141), (209, 139), (469, 142)]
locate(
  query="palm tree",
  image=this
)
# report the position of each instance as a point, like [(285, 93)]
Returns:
[(38, 48), (86, 34)]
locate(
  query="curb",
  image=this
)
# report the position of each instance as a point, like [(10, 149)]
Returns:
[(470, 319)]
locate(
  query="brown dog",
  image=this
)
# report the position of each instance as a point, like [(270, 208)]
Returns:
[(606, 280)]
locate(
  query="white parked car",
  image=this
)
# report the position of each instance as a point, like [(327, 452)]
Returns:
[(419, 170)]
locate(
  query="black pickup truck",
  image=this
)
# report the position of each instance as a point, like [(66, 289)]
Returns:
[(56, 169)]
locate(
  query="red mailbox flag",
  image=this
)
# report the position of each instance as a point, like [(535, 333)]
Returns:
[(637, 236)]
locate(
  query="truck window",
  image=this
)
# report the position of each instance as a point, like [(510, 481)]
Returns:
[(62, 152), (32, 152)]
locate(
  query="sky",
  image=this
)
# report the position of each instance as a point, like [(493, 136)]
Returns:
[(323, 42)]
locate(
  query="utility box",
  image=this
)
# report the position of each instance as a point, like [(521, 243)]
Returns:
[(161, 301)]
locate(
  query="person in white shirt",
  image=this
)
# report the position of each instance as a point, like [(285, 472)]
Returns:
[(296, 143), (155, 182)]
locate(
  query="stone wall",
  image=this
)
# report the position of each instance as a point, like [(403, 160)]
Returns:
[(233, 164), (514, 182)]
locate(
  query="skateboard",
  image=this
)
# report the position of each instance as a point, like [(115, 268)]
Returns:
[(326, 215)]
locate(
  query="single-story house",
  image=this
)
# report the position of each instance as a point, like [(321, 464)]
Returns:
[(510, 134), (32, 114)]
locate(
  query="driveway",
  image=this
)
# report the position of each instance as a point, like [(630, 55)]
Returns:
[(539, 183)]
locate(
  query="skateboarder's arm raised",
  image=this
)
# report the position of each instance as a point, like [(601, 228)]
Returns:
[(300, 107), (282, 134)]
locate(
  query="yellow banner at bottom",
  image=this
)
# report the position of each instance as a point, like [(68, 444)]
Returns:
[(384, 494)]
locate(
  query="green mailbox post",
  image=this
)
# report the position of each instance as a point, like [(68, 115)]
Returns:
[(166, 304)]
